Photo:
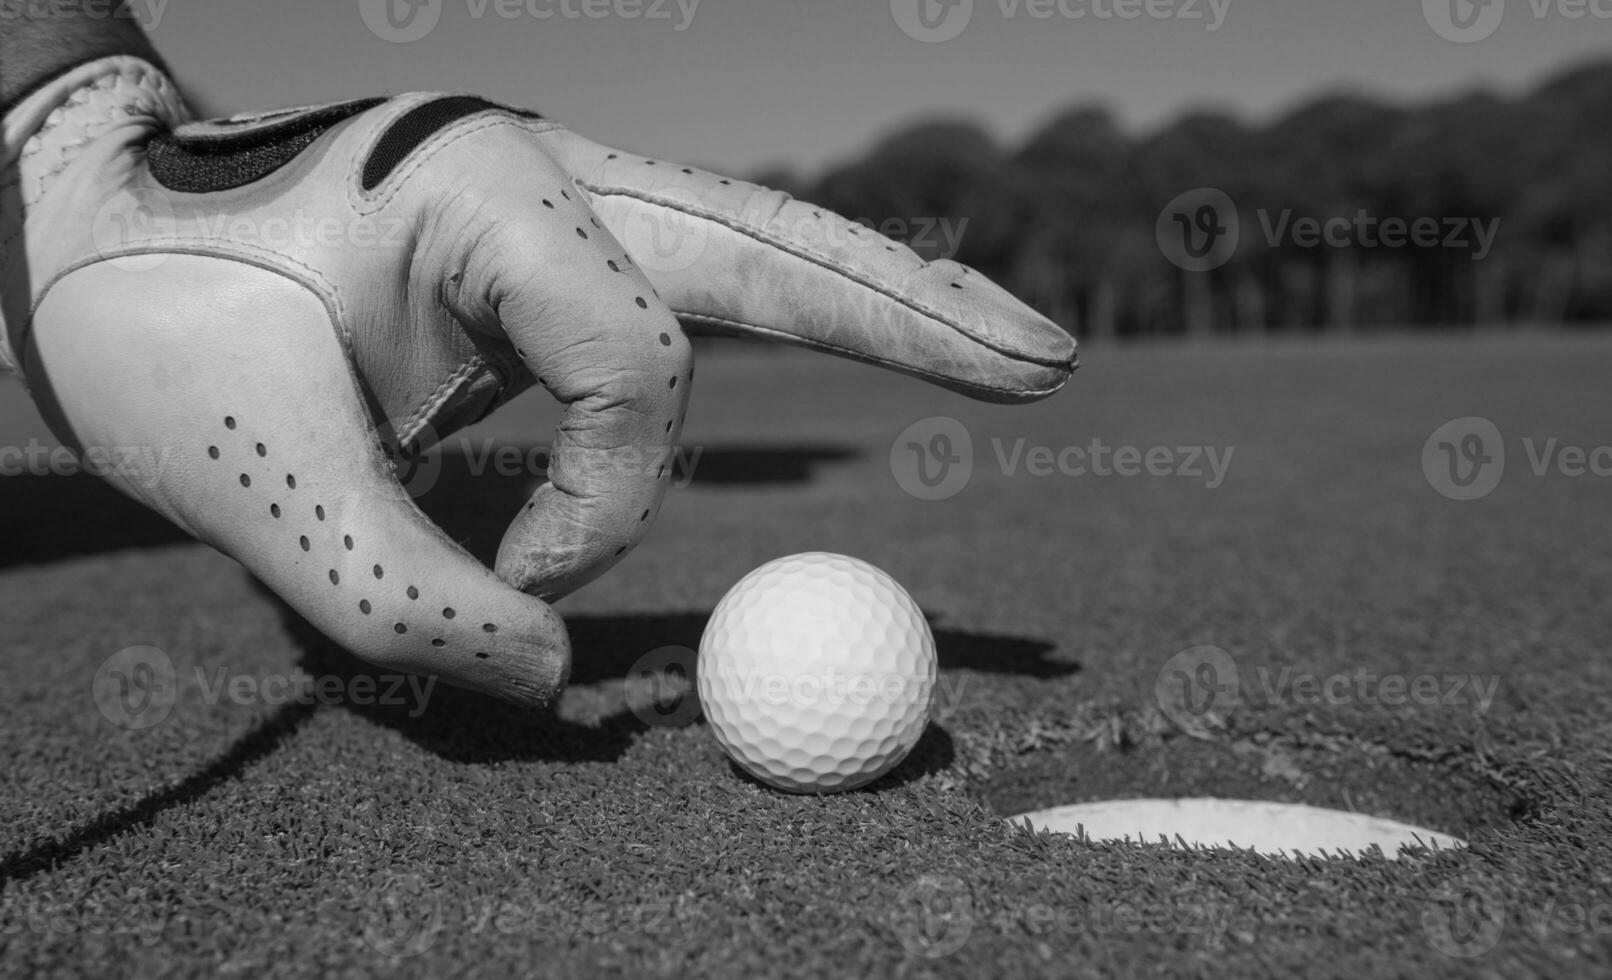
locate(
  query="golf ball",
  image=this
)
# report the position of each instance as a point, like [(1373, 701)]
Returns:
[(816, 673)]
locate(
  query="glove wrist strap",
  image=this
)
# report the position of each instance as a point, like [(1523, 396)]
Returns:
[(44, 133)]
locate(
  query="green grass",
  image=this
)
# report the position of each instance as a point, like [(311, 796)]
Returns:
[(270, 839)]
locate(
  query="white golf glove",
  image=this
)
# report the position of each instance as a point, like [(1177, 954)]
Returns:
[(257, 316)]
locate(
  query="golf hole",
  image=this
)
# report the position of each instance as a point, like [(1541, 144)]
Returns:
[(1267, 793), (1276, 829)]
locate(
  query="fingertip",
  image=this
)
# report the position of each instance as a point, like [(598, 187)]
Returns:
[(533, 664)]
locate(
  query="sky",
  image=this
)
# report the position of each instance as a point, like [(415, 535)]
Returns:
[(748, 85)]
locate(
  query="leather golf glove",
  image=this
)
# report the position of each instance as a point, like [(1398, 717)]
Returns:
[(252, 320)]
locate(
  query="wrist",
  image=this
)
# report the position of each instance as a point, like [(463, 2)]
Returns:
[(40, 138), (39, 41)]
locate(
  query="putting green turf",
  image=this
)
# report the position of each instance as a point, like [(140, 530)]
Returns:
[(468, 838)]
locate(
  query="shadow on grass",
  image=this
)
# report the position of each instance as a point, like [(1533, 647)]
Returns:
[(60, 517), (934, 752), (607, 647), (248, 750), (468, 727), (471, 728)]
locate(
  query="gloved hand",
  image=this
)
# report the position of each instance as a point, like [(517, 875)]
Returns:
[(255, 316)]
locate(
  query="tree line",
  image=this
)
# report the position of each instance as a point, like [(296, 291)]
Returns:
[(1346, 213)]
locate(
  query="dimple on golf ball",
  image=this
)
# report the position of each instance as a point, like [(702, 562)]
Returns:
[(816, 673)]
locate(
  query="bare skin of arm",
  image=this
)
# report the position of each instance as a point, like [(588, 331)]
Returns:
[(40, 41)]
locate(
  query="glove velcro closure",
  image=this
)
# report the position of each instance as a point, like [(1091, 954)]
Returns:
[(220, 155)]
